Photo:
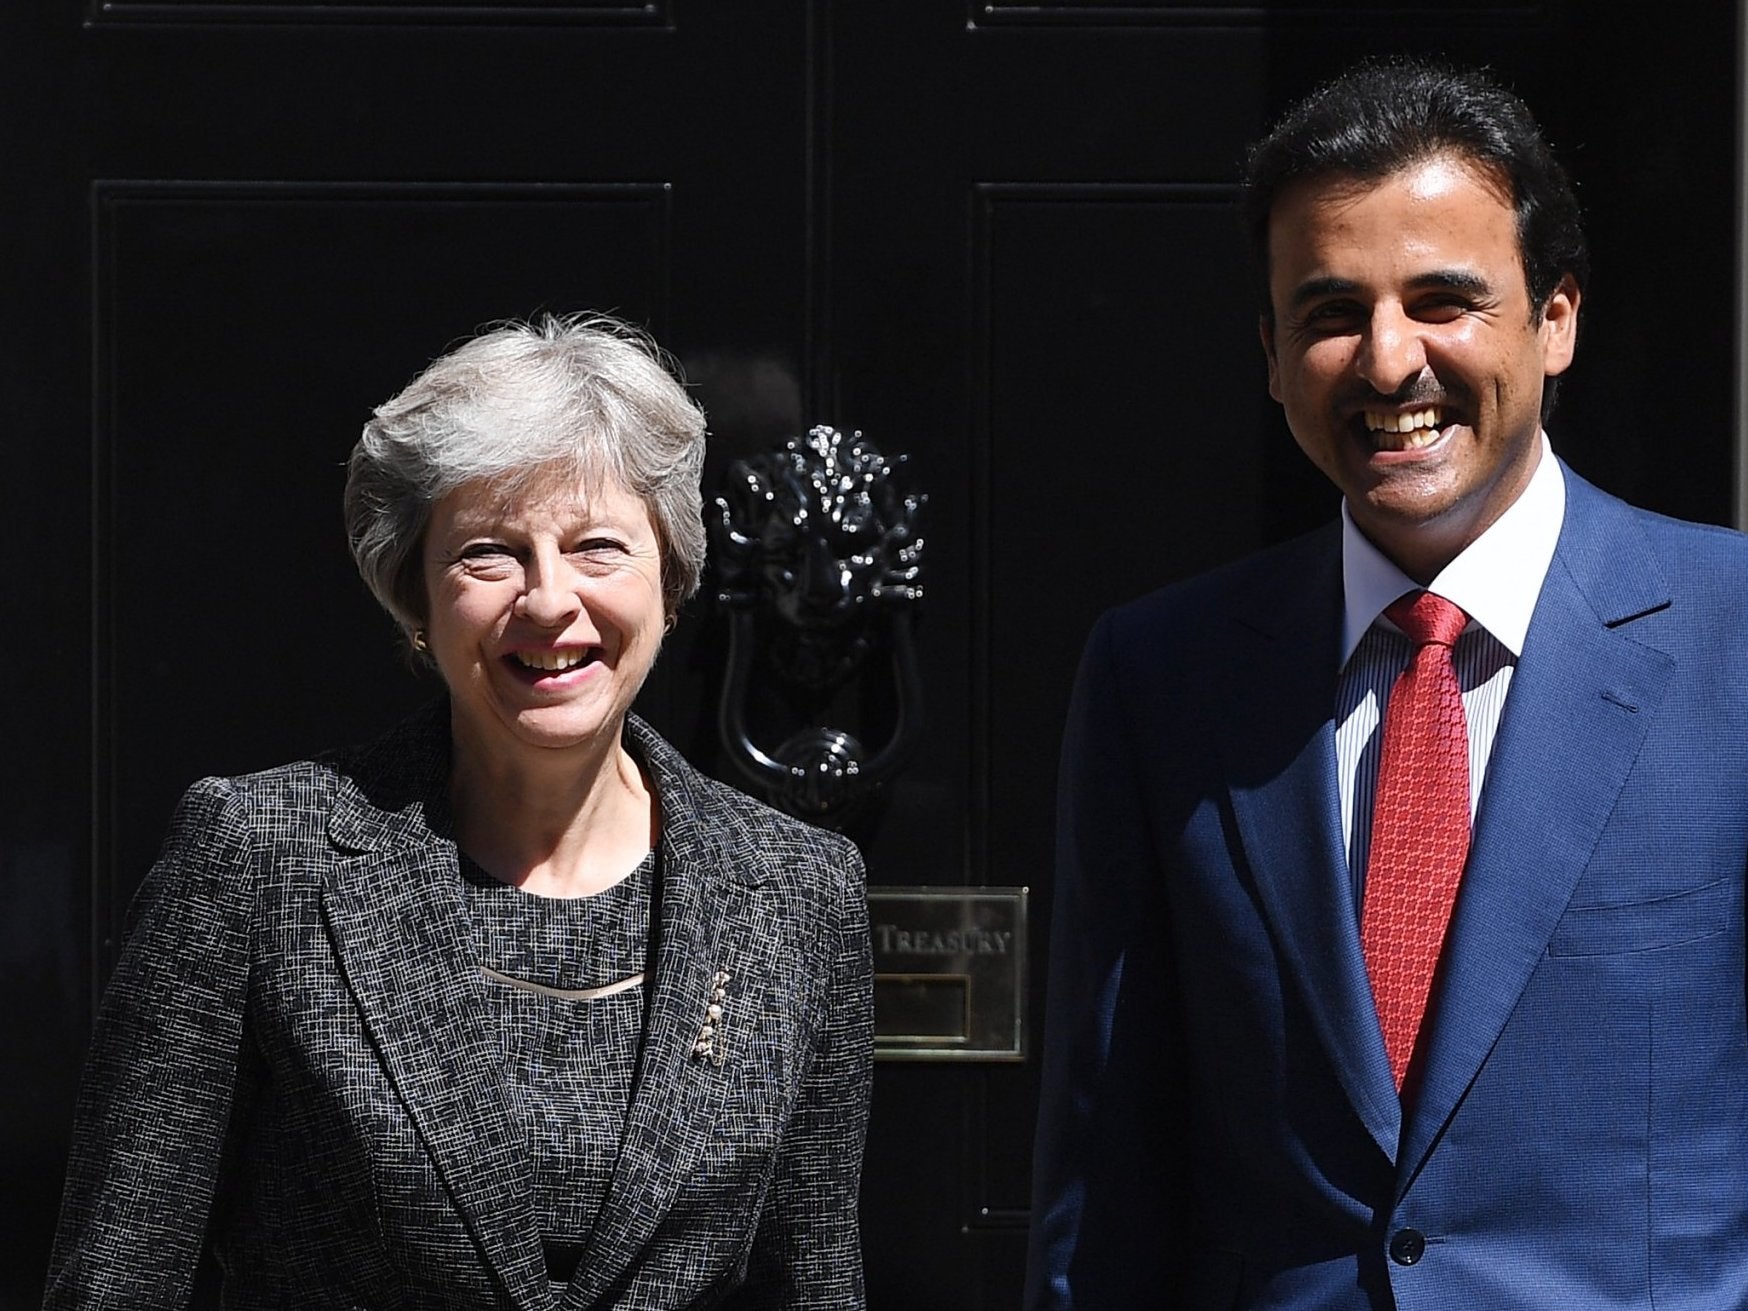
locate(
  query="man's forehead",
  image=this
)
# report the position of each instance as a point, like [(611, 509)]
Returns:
[(1338, 187), (1441, 205)]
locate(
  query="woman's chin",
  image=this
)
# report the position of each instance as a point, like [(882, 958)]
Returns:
[(563, 728), (516, 730)]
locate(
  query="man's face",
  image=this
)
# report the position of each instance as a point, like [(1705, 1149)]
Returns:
[(1405, 353)]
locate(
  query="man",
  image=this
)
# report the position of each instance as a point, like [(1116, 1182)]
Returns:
[(1372, 985)]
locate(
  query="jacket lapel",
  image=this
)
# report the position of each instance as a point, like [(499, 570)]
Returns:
[(395, 916), (1582, 698), (707, 883), (1280, 754)]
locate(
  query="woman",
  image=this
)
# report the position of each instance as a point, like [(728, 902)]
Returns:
[(510, 1008)]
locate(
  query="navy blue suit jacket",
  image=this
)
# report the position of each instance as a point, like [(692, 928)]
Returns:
[(1219, 1126)]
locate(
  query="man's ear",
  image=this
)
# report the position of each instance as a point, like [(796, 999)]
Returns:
[(1265, 328), (1559, 327)]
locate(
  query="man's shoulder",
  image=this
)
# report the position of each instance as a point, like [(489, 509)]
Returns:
[(1613, 534), (1713, 542)]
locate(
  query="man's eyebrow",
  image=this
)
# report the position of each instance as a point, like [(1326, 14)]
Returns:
[(1452, 280), (1317, 288), (1464, 280)]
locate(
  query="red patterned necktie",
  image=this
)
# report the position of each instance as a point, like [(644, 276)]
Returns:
[(1420, 824)]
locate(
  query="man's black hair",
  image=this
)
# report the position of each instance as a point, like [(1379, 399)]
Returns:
[(1384, 115)]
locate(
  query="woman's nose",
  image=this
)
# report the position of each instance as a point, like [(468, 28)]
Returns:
[(549, 594)]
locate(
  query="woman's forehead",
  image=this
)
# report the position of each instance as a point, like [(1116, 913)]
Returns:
[(550, 493)]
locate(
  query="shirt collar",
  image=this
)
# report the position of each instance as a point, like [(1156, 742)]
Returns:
[(1496, 579)]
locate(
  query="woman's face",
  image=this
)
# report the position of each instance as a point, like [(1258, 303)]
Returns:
[(544, 611)]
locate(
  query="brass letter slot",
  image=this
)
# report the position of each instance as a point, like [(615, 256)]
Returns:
[(949, 973), (922, 1008)]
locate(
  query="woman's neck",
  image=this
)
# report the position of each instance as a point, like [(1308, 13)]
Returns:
[(562, 823)]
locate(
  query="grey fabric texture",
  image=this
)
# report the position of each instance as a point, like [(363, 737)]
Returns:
[(294, 1063), (569, 1061)]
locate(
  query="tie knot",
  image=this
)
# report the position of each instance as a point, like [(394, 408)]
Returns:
[(1427, 619)]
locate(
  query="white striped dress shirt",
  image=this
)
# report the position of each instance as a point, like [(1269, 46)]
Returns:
[(1496, 581)]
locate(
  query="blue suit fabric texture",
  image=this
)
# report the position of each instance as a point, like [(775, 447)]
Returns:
[(294, 1063), (1219, 1127)]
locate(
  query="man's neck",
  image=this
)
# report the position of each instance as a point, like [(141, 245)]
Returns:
[(1496, 578)]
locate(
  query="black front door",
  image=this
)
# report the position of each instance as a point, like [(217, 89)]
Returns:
[(996, 237)]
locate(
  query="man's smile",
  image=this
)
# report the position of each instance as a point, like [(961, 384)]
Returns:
[(1408, 431)]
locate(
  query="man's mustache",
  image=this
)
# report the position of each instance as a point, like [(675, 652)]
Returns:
[(1422, 391)]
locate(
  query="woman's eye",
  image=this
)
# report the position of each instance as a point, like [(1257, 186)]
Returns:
[(489, 560)]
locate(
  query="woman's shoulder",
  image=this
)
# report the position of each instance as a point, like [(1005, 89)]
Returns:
[(263, 800), (386, 772)]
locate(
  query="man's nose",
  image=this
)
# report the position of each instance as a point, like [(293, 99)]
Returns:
[(1391, 352)]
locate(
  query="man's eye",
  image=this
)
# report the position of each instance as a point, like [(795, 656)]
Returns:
[(1442, 310), (484, 551), (1334, 312)]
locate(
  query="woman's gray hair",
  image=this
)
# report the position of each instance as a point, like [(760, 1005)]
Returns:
[(586, 393)]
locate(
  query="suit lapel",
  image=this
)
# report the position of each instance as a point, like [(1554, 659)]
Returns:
[(1581, 701), (1280, 754), (394, 913), (703, 927)]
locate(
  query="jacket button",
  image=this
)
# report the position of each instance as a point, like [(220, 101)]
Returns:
[(1408, 1246)]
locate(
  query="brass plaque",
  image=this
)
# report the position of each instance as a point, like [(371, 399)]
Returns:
[(949, 973)]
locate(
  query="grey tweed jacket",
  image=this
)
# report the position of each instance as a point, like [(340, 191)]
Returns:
[(293, 1063)]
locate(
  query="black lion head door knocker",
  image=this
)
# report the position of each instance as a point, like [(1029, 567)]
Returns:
[(818, 561)]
